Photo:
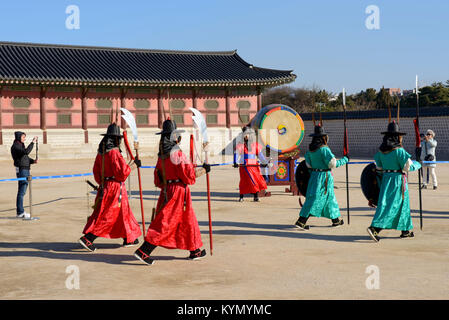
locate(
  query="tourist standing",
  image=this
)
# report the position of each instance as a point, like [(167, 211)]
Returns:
[(428, 147), (23, 163)]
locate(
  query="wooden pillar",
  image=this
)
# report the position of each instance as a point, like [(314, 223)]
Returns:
[(123, 93), (43, 114), (259, 98), (160, 108), (228, 108), (194, 99), (84, 113)]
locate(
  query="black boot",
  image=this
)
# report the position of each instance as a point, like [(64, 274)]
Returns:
[(256, 197), (337, 222), (301, 223), (87, 241), (197, 254), (143, 253), (130, 244), (374, 233), (241, 198), (407, 234)]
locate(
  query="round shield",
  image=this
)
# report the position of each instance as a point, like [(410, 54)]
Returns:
[(279, 127), (302, 176), (370, 181)]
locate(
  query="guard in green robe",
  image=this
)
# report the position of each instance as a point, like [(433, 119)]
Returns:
[(393, 206), (320, 196)]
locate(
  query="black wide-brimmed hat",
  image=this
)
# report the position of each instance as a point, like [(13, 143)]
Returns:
[(318, 132), (393, 129), (113, 131), (248, 130), (168, 127)]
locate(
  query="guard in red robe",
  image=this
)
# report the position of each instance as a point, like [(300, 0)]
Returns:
[(112, 217), (175, 225), (251, 180)]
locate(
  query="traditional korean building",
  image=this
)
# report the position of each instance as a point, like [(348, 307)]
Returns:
[(64, 94)]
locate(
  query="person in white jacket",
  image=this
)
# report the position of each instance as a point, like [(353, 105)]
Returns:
[(428, 154)]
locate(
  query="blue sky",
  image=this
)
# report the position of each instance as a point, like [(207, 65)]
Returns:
[(326, 43)]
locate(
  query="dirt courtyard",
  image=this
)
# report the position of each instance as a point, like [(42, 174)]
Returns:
[(257, 253)]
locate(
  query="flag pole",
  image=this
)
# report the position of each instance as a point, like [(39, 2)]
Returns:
[(420, 169), (208, 204)]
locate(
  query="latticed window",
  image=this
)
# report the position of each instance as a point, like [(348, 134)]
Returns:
[(179, 118), (103, 103), (20, 102), (211, 118), (211, 104), (142, 119), (177, 104), (63, 103), (21, 119), (64, 119), (141, 104), (103, 119), (243, 104), (244, 119)]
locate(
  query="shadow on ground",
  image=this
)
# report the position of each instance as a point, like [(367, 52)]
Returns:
[(74, 251), (282, 231)]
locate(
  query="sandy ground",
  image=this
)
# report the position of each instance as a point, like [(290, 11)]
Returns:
[(258, 254)]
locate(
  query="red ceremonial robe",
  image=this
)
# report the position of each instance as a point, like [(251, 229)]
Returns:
[(251, 180), (173, 227), (112, 219)]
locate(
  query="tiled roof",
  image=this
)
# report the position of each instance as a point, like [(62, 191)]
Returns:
[(29, 63)]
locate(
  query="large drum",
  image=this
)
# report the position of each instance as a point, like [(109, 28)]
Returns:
[(279, 127), (281, 130)]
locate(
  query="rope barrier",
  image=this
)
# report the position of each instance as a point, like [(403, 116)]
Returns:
[(15, 179)]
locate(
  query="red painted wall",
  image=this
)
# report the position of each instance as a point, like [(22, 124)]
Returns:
[(151, 95)]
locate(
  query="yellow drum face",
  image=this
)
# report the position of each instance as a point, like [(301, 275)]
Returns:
[(280, 128)]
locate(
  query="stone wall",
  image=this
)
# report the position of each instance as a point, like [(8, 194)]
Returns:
[(364, 139), (365, 135)]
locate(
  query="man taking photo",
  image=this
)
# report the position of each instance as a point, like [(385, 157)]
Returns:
[(23, 164)]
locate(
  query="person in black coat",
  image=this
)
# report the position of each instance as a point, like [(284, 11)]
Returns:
[(23, 163)]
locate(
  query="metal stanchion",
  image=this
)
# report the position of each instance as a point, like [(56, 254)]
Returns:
[(30, 179)]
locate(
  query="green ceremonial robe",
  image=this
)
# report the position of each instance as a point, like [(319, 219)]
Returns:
[(393, 206), (320, 197)]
